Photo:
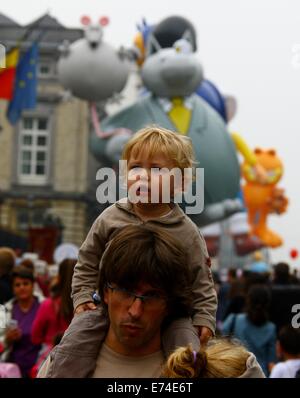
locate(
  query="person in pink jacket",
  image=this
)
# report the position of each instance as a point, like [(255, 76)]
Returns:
[(55, 313)]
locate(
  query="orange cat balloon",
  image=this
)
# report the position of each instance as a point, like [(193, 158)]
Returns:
[(261, 199)]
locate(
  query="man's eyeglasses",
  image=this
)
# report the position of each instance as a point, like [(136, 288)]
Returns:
[(149, 300)]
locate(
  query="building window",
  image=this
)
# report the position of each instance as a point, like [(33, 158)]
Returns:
[(30, 218), (37, 217), (34, 151), (46, 69)]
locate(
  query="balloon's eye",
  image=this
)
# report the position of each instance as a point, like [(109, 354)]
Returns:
[(183, 46)]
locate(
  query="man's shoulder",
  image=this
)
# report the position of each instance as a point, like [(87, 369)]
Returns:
[(241, 318), (272, 327)]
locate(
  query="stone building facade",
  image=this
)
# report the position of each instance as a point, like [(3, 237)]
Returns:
[(46, 172)]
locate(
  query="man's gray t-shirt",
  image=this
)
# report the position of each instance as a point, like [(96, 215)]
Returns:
[(113, 365)]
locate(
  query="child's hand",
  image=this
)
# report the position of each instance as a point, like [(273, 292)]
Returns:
[(85, 307), (204, 334)]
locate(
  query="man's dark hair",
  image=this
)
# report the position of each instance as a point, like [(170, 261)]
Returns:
[(289, 339), (147, 254)]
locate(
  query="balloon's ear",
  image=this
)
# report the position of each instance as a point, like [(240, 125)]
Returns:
[(85, 20), (187, 35), (103, 21), (231, 107), (153, 45)]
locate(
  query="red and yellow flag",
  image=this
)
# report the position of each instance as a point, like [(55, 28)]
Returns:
[(7, 75)]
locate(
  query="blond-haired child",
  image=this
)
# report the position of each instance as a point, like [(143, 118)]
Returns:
[(149, 153), (221, 358)]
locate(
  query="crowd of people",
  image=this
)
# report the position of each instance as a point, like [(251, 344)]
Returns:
[(247, 328), (36, 315), (256, 308), (141, 300)]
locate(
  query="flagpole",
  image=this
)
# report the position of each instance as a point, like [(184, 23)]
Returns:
[(28, 31)]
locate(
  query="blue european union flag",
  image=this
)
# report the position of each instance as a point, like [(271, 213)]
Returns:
[(25, 88)]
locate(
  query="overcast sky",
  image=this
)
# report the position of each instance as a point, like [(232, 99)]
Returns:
[(245, 47)]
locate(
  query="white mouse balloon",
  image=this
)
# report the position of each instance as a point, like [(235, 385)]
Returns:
[(92, 69)]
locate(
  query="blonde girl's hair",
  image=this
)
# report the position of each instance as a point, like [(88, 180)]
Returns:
[(222, 358), (155, 139)]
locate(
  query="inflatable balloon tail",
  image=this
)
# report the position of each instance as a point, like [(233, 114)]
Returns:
[(97, 127)]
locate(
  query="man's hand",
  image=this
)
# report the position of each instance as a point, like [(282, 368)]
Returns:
[(85, 307), (204, 334)]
